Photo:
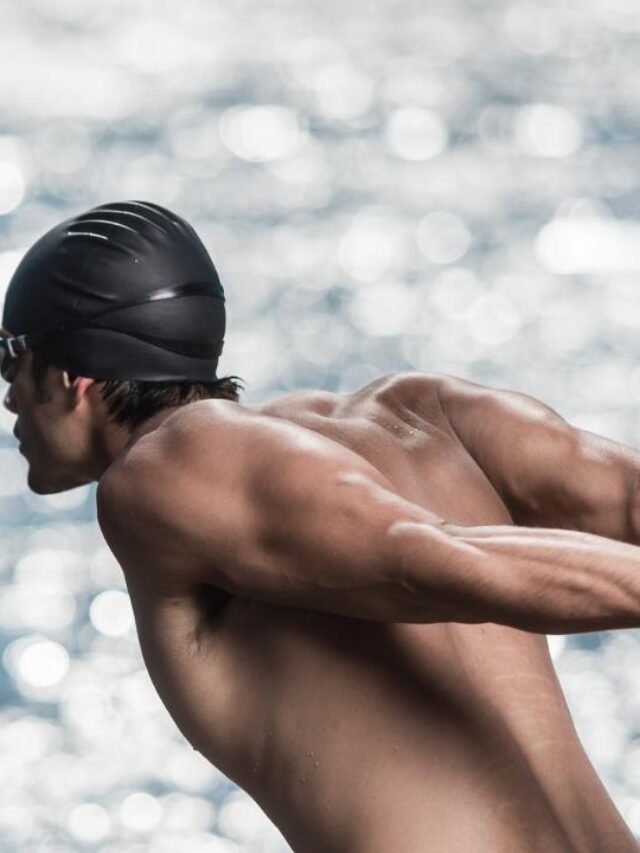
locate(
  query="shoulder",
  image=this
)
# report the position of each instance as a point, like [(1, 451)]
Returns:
[(207, 456), (428, 381), (409, 382), (183, 431), (186, 441), (473, 400), (211, 452), (148, 475), (199, 497), (412, 393), (178, 495)]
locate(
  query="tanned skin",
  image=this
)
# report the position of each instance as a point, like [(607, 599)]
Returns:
[(342, 599)]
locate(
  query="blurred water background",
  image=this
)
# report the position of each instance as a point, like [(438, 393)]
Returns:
[(449, 185)]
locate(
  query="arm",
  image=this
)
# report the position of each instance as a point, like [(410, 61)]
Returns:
[(548, 473), (312, 525), (537, 580)]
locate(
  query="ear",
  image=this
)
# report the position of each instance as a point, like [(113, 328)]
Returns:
[(78, 385)]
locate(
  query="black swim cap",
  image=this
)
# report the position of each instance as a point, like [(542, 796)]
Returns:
[(124, 291)]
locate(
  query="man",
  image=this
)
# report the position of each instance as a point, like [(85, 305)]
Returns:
[(341, 598)]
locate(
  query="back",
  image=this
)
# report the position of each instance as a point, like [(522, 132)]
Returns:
[(361, 736)]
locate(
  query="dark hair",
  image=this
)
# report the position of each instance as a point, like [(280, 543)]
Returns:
[(132, 401)]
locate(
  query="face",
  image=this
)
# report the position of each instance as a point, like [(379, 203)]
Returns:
[(53, 426)]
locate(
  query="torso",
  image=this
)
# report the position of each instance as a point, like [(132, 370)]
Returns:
[(361, 737)]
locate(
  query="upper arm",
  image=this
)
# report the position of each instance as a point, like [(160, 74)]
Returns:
[(280, 514), (549, 473)]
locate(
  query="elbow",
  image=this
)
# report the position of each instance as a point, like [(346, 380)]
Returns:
[(440, 573)]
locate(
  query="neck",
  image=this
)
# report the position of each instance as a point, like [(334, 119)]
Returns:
[(118, 438)]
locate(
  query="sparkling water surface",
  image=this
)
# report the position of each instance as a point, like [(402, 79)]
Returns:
[(447, 186)]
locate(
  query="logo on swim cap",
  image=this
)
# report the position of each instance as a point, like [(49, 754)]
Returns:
[(126, 290)]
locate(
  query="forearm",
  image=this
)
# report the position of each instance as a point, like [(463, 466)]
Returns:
[(535, 579)]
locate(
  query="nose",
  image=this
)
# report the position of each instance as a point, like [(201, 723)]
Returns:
[(8, 401)]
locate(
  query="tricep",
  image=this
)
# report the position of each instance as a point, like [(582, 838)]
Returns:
[(549, 473), (322, 518)]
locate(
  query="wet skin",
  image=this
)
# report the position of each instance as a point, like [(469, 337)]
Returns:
[(361, 736)]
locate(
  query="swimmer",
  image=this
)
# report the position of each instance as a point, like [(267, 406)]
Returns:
[(341, 598)]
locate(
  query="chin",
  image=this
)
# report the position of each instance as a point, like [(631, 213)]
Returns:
[(41, 486)]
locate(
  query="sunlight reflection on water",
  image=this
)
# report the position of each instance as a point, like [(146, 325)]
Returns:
[(450, 188)]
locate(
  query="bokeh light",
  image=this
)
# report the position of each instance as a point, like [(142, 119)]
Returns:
[(418, 188), (12, 186), (89, 823), (414, 133), (110, 613), (261, 133), (547, 130), (443, 237)]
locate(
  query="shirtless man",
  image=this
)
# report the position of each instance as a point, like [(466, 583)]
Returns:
[(342, 599)]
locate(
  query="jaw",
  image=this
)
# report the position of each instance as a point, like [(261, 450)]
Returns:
[(53, 481)]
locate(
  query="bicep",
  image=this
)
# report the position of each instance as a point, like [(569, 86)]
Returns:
[(549, 473)]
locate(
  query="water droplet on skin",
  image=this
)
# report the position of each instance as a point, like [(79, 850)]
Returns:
[(316, 764)]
